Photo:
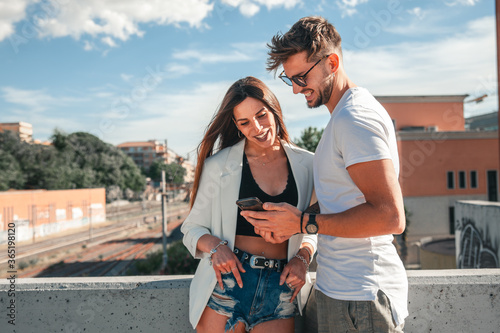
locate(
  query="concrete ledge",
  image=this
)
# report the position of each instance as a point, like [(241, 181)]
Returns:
[(439, 301), (453, 301), (116, 304)]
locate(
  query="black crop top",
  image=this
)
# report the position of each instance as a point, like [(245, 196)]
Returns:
[(250, 188)]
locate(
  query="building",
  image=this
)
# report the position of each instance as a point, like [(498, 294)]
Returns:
[(190, 169), (22, 129), (144, 153), (40, 213), (440, 161), (484, 122)]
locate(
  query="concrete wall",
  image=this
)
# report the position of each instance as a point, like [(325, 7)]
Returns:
[(477, 225), (430, 216), (439, 301)]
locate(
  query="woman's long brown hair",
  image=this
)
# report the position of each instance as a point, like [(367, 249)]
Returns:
[(222, 128)]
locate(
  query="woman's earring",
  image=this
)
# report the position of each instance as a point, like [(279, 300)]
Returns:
[(239, 134)]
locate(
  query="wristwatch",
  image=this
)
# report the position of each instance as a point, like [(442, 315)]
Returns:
[(312, 226)]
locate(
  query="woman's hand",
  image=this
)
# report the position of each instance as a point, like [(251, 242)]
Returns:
[(225, 261), (294, 275)]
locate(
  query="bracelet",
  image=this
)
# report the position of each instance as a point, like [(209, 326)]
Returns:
[(301, 219), (212, 251), (308, 251), (298, 256)]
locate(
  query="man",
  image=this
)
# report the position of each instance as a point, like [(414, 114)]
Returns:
[(361, 283)]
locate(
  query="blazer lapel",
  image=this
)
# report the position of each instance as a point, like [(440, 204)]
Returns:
[(299, 173), (230, 187)]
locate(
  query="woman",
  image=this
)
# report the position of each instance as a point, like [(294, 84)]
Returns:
[(242, 282)]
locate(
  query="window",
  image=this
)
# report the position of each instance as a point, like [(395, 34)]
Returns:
[(451, 180), (461, 179), (492, 181), (451, 216), (473, 179)]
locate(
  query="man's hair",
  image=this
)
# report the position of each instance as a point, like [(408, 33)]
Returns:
[(313, 34)]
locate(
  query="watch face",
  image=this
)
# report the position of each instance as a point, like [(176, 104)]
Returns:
[(312, 228)]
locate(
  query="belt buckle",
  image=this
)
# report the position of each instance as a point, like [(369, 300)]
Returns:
[(253, 262)]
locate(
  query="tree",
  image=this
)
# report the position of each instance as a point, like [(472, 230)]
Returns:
[(174, 173), (309, 138), (77, 160), (11, 175)]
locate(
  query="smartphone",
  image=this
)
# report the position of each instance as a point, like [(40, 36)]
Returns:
[(252, 203)]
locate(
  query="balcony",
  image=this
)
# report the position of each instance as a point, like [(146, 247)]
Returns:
[(439, 301)]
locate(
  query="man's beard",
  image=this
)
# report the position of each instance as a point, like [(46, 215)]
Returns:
[(324, 94)]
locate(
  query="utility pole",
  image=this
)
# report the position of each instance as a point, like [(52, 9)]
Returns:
[(164, 219)]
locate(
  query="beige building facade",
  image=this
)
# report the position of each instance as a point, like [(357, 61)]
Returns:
[(22, 129)]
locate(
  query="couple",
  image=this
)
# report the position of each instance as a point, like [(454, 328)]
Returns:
[(253, 270)]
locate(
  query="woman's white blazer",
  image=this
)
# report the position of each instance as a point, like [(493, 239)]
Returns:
[(215, 212)]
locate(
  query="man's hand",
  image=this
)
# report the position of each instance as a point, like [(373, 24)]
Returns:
[(280, 219), (271, 237)]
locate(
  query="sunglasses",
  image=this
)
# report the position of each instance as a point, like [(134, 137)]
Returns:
[(299, 80)]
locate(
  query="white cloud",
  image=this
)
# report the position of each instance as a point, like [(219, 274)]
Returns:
[(118, 20), (87, 46), (249, 8), (348, 7), (177, 70), (461, 2), (453, 65), (35, 101), (239, 52), (32, 100), (109, 41), (126, 77), (32, 105), (10, 13), (110, 21), (207, 57), (417, 12)]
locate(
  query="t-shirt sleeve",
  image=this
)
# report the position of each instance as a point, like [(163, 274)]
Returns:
[(361, 136)]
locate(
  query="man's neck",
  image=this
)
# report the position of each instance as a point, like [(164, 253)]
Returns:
[(341, 85)]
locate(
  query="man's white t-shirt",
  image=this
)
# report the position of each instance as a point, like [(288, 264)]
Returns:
[(360, 130)]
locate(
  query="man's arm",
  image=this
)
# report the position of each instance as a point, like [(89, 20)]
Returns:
[(381, 214)]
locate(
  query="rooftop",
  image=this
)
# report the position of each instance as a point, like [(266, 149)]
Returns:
[(422, 99)]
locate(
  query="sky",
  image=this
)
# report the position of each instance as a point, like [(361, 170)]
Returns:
[(136, 70)]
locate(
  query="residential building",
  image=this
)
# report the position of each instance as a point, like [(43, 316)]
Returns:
[(440, 161), (144, 153), (190, 169), (22, 129)]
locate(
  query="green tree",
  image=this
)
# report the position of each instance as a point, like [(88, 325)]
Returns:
[(174, 173), (309, 138), (100, 163), (77, 160), (11, 175)]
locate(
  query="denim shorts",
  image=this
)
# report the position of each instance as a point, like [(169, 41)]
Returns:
[(261, 299)]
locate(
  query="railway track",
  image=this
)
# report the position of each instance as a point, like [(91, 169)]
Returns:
[(111, 252)]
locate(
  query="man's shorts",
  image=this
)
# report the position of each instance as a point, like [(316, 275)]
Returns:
[(355, 316)]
